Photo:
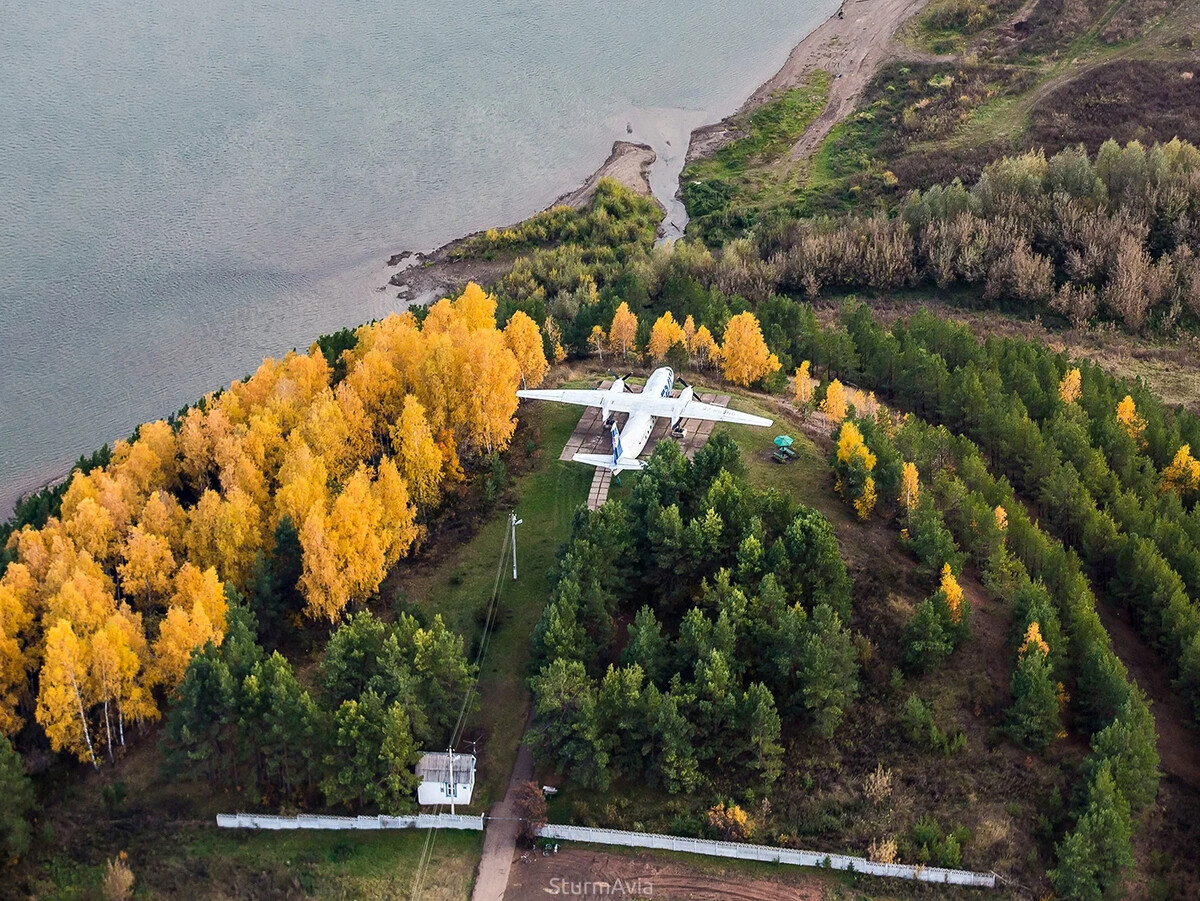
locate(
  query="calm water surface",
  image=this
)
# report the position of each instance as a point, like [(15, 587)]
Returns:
[(187, 187)]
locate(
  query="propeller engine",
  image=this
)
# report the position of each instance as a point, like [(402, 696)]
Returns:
[(620, 380)]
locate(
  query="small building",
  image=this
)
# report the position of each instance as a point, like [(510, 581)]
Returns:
[(445, 778)]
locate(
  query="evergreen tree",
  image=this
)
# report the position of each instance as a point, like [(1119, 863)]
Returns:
[(559, 634), (443, 676), (284, 723), (675, 764), (371, 755), (17, 791), (365, 654), (716, 706), (622, 724), (200, 728), (646, 648), (1129, 744), (827, 670), (1094, 856), (761, 726), (928, 641), (275, 579), (815, 572), (566, 728), (929, 538), (1033, 719)]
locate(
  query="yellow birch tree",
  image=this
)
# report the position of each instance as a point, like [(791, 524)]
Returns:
[(664, 334), (525, 341), (744, 354), (805, 384), (62, 680), (1182, 474), (953, 592), (704, 349), (622, 333), (597, 341), (1131, 421), (147, 566), (417, 455), (834, 404), (910, 486), (1069, 387)]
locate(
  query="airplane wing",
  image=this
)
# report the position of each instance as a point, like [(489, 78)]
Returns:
[(667, 407), (698, 410), (582, 397)]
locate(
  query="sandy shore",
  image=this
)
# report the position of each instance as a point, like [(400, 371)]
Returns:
[(849, 48)]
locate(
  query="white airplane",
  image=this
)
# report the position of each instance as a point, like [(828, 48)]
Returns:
[(654, 402)]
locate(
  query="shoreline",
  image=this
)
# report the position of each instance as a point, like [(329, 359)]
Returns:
[(850, 48), (426, 274)]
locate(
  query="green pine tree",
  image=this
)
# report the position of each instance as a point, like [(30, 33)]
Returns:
[(17, 791)]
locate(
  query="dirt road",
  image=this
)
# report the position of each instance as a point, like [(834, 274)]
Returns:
[(849, 48), (579, 872), (500, 835)]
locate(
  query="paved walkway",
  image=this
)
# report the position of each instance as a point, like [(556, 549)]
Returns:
[(500, 835), (590, 437)]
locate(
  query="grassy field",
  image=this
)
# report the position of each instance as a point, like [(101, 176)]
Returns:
[(458, 586), (977, 79), (756, 168), (204, 863)]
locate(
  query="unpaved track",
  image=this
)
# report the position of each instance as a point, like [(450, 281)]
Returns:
[(584, 872), (500, 835), (1178, 743), (849, 48)]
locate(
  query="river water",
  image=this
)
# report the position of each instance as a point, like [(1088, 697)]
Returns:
[(188, 187)]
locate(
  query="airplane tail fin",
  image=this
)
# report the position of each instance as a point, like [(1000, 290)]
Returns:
[(616, 443), (614, 464)]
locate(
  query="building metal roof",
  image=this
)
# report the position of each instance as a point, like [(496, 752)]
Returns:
[(435, 767)]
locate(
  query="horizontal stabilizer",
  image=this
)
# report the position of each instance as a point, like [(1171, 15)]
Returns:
[(605, 461)]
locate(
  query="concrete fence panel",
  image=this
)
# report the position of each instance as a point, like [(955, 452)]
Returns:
[(651, 840), (766, 854), (311, 821)]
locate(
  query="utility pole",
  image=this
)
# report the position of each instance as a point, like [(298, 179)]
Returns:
[(512, 518), (453, 787)]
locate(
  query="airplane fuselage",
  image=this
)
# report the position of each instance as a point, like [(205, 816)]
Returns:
[(654, 401), (639, 425)]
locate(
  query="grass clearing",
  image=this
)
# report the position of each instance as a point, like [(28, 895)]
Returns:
[(211, 863), (756, 168), (459, 585)]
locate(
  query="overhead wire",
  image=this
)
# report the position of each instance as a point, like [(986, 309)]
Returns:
[(456, 733)]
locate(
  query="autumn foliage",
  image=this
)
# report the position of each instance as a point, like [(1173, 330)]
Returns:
[(744, 354), (1182, 475), (107, 601), (1130, 420), (665, 334), (852, 465), (834, 404), (806, 384)]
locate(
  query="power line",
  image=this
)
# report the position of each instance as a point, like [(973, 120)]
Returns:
[(460, 724)]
